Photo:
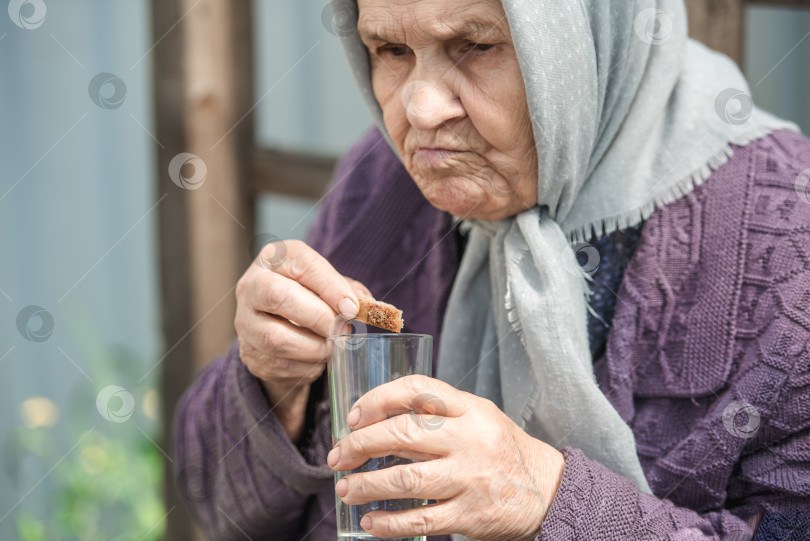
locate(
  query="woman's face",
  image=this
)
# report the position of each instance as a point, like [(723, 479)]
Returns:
[(447, 78)]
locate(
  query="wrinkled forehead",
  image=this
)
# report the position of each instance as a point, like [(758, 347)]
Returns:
[(404, 21)]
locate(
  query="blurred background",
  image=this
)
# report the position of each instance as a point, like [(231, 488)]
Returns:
[(146, 150)]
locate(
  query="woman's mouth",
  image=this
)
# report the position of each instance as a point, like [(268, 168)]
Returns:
[(434, 156)]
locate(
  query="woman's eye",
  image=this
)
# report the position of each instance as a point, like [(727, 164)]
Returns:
[(480, 47), (395, 50)]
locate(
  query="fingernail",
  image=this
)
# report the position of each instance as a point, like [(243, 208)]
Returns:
[(333, 457), (354, 416), (347, 307), (365, 523), (341, 487)]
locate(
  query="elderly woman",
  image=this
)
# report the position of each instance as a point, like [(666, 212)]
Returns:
[(660, 389)]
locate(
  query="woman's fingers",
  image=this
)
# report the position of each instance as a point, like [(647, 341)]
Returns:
[(304, 265), (436, 519), (432, 480), (416, 393), (277, 372), (407, 435), (276, 337), (287, 302), (286, 298)]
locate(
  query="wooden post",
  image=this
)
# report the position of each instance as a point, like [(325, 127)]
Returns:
[(718, 24), (219, 223), (203, 93)]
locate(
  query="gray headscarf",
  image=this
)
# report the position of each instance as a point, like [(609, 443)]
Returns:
[(628, 115)]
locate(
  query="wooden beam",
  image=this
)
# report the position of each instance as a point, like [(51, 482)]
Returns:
[(718, 24), (301, 175), (203, 92)]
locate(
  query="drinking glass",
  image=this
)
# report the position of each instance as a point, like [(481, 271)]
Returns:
[(359, 363)]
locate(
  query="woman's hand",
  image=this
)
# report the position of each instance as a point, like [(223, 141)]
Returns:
[(287, 302), (491, 479)]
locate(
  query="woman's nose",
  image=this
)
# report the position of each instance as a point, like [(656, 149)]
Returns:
[(428, 104)]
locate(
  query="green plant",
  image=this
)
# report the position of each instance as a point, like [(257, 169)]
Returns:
[(105, 490), (104, 476)]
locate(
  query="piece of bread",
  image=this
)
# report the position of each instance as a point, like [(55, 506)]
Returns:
[(380, 314)]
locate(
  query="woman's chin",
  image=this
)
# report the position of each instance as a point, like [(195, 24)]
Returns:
[(460, 204), (481, 209), (474, 205)]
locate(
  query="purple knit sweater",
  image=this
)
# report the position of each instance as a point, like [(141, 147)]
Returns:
[(707, 359)]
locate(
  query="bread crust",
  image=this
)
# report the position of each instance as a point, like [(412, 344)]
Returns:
[(380, 314)]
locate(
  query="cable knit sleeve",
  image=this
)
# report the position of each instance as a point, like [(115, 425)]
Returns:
[(595, 503), (235, 465)]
